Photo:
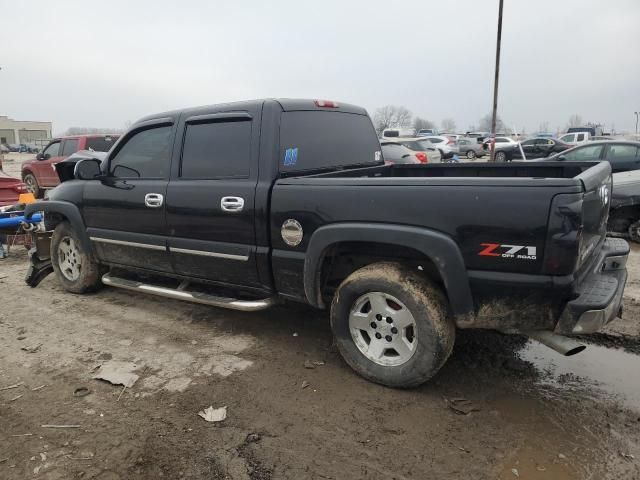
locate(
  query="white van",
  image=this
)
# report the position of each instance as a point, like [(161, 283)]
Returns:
[(575, 138)]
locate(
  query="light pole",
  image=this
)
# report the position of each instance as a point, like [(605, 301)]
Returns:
[(495, 85), (637, 113)]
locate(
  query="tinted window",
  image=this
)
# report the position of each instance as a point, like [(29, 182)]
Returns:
[(69, 147), (100, 144), (319, 139), (52, 150), (215, 150), (501, 140), (464, 142), (392, 133), (583, 154), (529, 142), (622, 153), (146, 154)]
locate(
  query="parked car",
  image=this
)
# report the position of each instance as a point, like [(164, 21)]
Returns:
[(591, 130), (4, 148), (14, 147), (445, 145), (623, 155), (419, 144), (575, 138), (395, 153), (39, 173), (602, 137), (624, 214), (10, 189), (427, 132), (504, 148), (469, 147), (539, 148), (398, 132), (214, 211)]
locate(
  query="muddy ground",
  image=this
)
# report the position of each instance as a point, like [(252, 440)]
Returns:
[(538, 416)]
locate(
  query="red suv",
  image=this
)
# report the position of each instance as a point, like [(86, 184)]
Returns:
[(40, 174)]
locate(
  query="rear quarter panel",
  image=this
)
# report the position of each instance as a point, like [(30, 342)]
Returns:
[(490, 218)]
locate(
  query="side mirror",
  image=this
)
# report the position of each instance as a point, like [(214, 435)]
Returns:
[(42, 156), (561, 158), (88, 169)]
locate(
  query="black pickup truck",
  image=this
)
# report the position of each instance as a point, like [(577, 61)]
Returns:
[(244, 205)]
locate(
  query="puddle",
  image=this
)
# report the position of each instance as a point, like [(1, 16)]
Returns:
[(612, 371)]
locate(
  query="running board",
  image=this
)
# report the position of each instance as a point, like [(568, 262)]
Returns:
[(195, 297)]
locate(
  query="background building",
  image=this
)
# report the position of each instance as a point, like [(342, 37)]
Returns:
[(22, 131)]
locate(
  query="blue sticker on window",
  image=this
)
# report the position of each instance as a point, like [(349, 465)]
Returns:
[(290, 157)]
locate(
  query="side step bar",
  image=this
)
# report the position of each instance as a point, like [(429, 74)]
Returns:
[(195, 297)]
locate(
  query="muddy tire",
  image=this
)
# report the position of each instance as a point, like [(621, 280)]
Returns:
[(391, 325), (32, 185), (75, 269)]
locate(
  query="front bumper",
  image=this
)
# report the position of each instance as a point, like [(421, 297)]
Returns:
[(599, 295)]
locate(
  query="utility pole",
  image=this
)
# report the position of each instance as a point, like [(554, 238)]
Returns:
[(495, 85), (637, 113)]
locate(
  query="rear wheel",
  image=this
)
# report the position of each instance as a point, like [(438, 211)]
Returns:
[(32, 185), (74, 267), (500, 157), (471, 154), (391, 325)]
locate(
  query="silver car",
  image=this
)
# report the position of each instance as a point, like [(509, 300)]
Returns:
[(469, 147)]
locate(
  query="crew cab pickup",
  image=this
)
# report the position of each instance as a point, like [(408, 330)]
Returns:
[(244, 205)]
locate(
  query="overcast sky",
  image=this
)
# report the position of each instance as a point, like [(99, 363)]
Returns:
[(102, 64)]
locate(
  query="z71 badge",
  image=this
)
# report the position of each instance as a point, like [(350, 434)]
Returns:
[(520, 252)]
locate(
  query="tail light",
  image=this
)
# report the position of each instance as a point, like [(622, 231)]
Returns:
[(325, 103), (450, 141), (422, 157)]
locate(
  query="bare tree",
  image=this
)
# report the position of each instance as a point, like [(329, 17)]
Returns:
[(448, 125), (575, 120), (90, 130), (543, 127), (485, 124), (419, 123), (391, 116)]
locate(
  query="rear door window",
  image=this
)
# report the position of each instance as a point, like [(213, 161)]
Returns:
[(217, 150), (622, 153), (580, 137), (312, 140), (69, 147)]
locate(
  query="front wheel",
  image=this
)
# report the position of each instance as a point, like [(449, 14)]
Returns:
[(74, 267), (32, 185), (391, 325), (471, 154), (500, 157)]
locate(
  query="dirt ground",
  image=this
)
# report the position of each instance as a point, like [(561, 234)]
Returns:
[(536, 417)]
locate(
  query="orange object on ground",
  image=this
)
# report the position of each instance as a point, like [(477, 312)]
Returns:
[(26, 198)]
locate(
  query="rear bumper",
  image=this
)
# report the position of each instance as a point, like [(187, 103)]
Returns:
[(599, 295)]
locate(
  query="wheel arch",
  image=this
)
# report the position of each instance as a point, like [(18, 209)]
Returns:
[(437, 248), (59, 211)]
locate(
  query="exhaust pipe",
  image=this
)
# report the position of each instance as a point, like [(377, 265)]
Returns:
[(560, 344)]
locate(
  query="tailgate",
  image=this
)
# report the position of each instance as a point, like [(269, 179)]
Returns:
[(597, 183), (578, 222)]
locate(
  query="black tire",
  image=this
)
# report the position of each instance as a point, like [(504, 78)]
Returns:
[(471, 154), (434, 332), (500, 157), (67, 253), (31, 182)]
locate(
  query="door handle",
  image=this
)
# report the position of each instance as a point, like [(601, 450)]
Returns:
[(232, 204), (153, 200)]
